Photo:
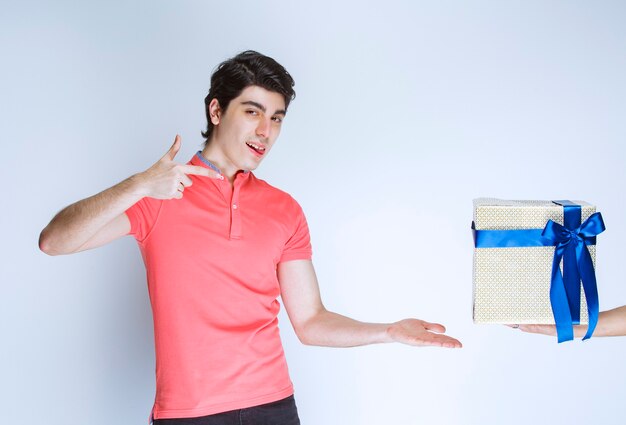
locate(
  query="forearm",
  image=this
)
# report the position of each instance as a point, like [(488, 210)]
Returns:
[(315, 325), (73, 226), (334, 330), (612, 322), (99, 219)]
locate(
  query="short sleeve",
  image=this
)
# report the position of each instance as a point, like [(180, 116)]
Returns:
[(142, 216), (298, 246)]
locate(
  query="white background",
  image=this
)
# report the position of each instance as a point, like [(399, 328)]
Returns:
[(405, 112)]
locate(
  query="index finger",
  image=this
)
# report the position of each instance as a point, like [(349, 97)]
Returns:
[(201, 171), (538, 329)]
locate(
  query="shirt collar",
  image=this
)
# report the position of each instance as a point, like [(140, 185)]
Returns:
[(211, 165), (207, 162)]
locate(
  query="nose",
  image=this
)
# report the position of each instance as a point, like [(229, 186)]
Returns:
[(263, 128)]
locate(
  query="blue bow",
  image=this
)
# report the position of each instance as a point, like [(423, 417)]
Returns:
[(571, 247)]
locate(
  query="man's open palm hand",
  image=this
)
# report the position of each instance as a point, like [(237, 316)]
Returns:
[(421, 333)]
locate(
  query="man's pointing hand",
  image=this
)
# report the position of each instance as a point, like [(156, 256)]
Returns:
[(167, 179)]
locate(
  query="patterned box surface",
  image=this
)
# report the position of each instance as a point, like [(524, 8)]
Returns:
[(512, 285)]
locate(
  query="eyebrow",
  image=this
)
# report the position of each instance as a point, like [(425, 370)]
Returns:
[(262, 108)]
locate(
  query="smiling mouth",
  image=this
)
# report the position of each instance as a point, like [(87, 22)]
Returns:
[(257, 149)]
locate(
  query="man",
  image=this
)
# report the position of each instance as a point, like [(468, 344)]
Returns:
[(219, 247)]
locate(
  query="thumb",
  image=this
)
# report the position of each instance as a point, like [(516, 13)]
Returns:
[(171, 154)]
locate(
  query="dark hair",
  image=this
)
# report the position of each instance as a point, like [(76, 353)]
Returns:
[(248, 68)]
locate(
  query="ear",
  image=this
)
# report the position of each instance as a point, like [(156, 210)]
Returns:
[(215, 112)]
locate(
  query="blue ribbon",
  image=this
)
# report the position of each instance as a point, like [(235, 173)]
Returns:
[(570, 241)]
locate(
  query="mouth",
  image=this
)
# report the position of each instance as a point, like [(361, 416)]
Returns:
[(256, 148)]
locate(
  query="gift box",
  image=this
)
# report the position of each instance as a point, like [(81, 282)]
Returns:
[(534, 263)]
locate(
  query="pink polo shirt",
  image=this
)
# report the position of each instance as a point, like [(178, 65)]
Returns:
[(211, 262)]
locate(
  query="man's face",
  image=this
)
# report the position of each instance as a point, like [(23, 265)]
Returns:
[(245, 133)]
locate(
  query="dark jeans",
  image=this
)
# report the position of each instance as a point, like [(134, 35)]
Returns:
[(281, 412)]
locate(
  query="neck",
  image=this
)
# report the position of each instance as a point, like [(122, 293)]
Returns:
[(215, 157)]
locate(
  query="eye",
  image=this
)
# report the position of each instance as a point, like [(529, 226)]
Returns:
[(252, 112), (277, 120)]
